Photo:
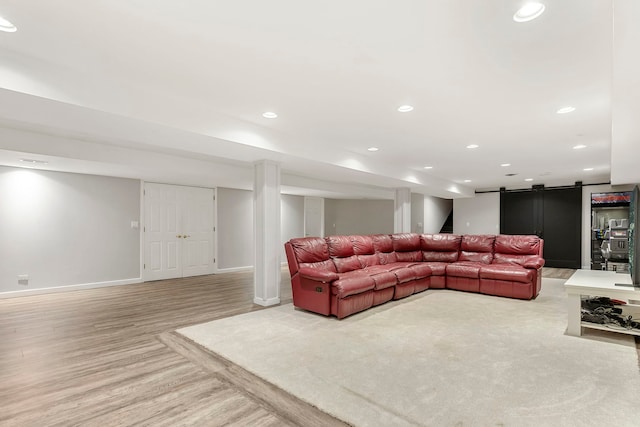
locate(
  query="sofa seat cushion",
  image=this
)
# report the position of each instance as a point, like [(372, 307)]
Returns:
[(421, 270), (404, 275), (382, 279), (438, 268), (464, 269), (390, 267), (507, 272), (352, 284), (377, 269)]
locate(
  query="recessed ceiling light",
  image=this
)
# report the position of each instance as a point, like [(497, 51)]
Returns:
[(373, 148), (467, 180), (579, 147), (428, 167), (472, 146), (565, 110), (7, 26), (587, 169), (528, 12), (405, 108), (528, 179), (269, 115), (504, 165)]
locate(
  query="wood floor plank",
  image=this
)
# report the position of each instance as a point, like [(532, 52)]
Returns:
[(100, 357), (109, 357)]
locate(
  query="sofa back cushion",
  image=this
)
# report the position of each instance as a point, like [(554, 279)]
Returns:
[(517, 249), (312, 252), (383, 246), (341, 252), (407, 247), (364, 251), (440, 247), (477, 248), (518, 245)]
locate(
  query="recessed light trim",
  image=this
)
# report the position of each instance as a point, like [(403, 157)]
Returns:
[(579, 147), (405, 108), (373, 149), (529, 12), (7, 26), (472, 146), (504, 165), (565, 110), (269, 115)]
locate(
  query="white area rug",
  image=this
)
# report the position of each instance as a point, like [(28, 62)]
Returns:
[(440, 358)]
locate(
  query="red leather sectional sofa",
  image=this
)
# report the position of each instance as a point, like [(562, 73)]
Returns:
[(342, 275)]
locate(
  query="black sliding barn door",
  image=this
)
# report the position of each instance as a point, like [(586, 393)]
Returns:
[(555, 214), (520, 212)]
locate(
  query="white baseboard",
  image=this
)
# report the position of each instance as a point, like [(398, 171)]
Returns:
[(39, 291), (234, 269)]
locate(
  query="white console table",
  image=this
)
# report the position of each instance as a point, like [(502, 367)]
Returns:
[(596, 283)]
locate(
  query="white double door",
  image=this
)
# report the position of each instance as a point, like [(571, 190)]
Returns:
[(178, 231)]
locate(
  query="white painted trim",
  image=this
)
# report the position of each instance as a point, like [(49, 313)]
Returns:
[(216, 255), (234, 269), (267, 302), (142, 224), (39, 291)]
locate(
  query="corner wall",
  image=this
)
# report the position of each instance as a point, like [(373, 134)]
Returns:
[(477, 215), (346, 216), (234, 229), (67, 230), (436, 212)]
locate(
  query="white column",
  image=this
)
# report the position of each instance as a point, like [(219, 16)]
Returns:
[(402, 212), (266, 226)]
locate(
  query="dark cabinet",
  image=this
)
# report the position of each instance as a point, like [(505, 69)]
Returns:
[(554, 214)]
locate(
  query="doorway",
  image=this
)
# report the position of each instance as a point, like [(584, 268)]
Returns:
[(178, 231)]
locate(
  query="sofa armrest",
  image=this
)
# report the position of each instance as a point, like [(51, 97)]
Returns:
[(317, 274), (534, 263)]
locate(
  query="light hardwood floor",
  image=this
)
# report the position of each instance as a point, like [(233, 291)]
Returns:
[(110, 357)]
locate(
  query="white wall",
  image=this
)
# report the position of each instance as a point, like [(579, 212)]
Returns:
[(234, 229), (477, 215), (64, 229), (417, 213), (436, 211), (358, 216), (235, 226), (292, 219)]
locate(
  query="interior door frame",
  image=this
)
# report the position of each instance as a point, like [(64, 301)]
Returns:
[(142, 224)]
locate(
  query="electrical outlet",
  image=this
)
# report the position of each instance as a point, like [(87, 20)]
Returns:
[(23, 279)]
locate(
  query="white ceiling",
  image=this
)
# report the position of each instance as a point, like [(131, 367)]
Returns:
[(174, 91)]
